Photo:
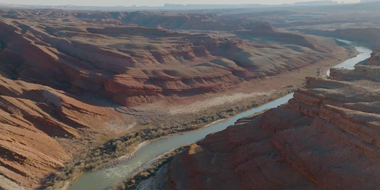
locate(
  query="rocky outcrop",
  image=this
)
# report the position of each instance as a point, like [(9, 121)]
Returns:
[(326, 137)]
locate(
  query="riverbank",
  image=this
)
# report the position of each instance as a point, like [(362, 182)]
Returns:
[(318, 140), (103, 179), (349, 64), (157, 167), (153, 176), (95, 158), (122, 149)]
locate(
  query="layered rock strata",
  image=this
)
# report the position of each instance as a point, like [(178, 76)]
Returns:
[(167, 20), (326, 137), (40, 128), (133, 65), (61, 73)]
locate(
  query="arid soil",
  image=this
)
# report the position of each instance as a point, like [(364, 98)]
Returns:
[(80, 88), (326, 137)]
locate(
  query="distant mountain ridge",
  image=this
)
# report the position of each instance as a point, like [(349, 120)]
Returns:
[(369, 1), (165, 7)]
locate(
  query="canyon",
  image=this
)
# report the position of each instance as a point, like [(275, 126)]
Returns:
[(131, 65), (79, 89), (325, 137), (79, 84)]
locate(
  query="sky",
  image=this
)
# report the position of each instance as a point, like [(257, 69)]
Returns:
[(151, 2)]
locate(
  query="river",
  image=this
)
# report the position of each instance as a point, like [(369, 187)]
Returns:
[(105, 178), (365, 53)]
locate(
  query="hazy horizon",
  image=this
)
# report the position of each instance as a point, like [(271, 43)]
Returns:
[(155, 2)]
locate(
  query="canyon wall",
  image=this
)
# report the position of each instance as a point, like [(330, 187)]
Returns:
[(135, 65), (326, 137)]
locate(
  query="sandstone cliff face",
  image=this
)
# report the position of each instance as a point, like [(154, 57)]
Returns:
[(134, 65), (40, 127), (326, 137)]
